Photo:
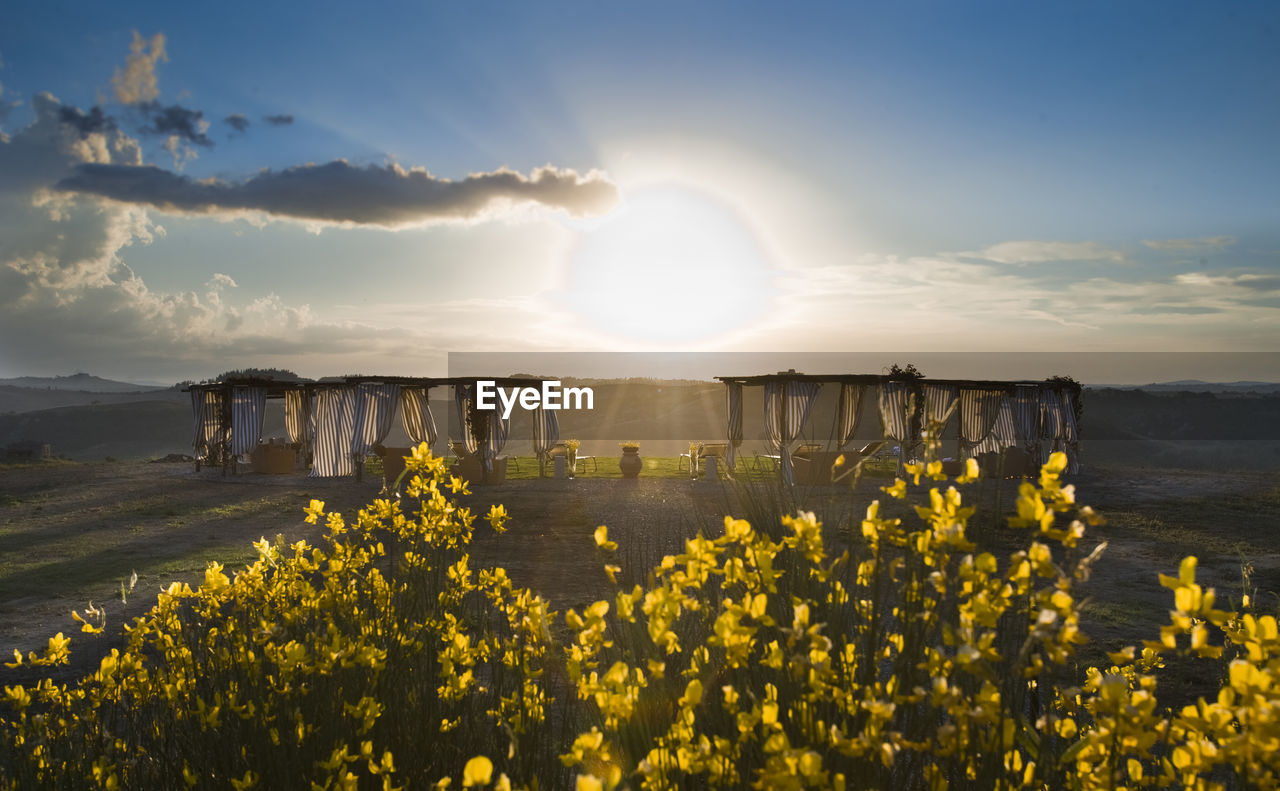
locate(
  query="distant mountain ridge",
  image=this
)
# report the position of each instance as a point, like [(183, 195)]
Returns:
[(82, 382)]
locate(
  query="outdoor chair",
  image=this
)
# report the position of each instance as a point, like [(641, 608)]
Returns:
[(806, 450), (558, 449), (718, 449), (761, 459)]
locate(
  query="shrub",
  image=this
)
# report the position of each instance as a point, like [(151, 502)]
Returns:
[(377, 656)]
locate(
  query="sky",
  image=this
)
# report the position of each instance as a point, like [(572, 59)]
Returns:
[(340, 188)]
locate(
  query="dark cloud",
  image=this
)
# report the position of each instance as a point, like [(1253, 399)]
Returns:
[(86, 123), (188, 125), (339, 192), (237, 122), (278, 120)]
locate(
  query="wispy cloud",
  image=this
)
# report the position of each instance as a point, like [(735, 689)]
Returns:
[(278, 120), (939, 302), (1200, 245), (135, 82), (237, 121), (1035, 252), (339, 192)]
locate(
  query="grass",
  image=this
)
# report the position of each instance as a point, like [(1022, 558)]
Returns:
[(59, 547)]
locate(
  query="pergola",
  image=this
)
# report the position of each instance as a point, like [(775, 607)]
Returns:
[(993, 415), (339, 422)]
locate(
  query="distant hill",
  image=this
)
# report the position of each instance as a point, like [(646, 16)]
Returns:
[(131, 430), (82, 382), (1199, 386), (31, 399)]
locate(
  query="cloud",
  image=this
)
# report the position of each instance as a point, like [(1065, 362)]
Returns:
[(6, 106), (1185, 310), (1202, 244), (338, 192), (937, 302), (1035, 252), (176, 120), (66, 290), (278, 120), (1253, 281), (237, 121), (136, 81), (87, 123)]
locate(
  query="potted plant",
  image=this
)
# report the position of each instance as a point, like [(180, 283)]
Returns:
[(572, 456), (630, 462)]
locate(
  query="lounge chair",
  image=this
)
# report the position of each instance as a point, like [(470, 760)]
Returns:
[(718, 449)]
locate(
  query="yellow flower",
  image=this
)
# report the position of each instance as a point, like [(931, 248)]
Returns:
[(314, 511), (498, 517), (602, 539), (18, 696), (897, 491), (478, 772)]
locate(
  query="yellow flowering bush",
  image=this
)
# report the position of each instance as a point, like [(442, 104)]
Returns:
[(377, 659), (907, 659), (898, 655)]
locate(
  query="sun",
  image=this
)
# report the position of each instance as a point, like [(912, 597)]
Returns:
[(672, 265)]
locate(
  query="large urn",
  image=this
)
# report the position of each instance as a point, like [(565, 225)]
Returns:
[(630, 463)]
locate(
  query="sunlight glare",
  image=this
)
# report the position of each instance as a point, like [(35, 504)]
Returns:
[(671, 264)]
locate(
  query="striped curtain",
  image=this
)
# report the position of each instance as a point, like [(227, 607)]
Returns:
[(197, 415), (333, 418), (979, 410), (1058, 427), (375, 408), (415, 414), (1026, 417), (786, 408), (1050, 419), (297, 418), (900, 417), (939, 400), (206, 408), (848, 411), (546, 431), (1072, 432), (499, 430), (733, 394), (248, 407), (461, 403), (1004, 433)]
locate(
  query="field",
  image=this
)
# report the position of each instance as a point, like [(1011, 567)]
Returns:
[(71, 533)]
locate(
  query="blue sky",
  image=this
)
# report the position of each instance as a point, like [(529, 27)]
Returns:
[(708, 176)]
